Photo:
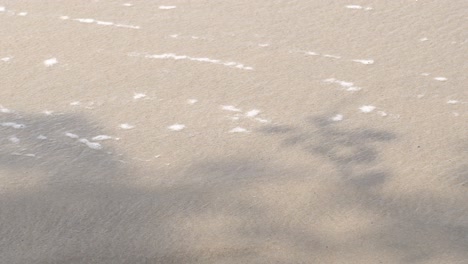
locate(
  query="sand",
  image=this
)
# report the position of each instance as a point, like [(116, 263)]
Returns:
[(233, 131)]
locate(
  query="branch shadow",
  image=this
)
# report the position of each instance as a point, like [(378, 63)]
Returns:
[(415, 235)]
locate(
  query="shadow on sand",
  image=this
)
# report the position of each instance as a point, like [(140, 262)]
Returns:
[(73, 204)]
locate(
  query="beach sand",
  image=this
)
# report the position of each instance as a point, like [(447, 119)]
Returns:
[(233, 131)]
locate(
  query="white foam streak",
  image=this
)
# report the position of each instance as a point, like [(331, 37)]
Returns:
[(91, 145), (99, 22), (104, 23), (71, 135), (127, 26), (238, 130), (126, 126), (230, 108), (354, 7), (331, 56), (253, 113), (261, 120), (163, 7), (101, 138), (358, 7), (84, 20), (185, 57), (12, 125), (367, 62)]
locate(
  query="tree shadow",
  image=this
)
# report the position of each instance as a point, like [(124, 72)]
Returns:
[(64, 201), (75, 204)]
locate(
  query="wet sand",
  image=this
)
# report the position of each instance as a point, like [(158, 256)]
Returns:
[(233, 131)]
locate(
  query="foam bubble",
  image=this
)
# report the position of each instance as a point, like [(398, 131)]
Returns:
[(163, 7), (71, 135), (5, 110), (6, 59), (139, 95), (253, 113), (91, 145), (440, 79), (104, 23), (331, 56), (367, 62), (50, 62), (126, 126), (230, 108), (358, 7), (238, 130), (176, 127), (41, 137), (337, 117), (261, 120), (85, 20), (101, 138), (367, 108), (354, 7)]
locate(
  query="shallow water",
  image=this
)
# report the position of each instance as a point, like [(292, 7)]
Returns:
[(233, 131)]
